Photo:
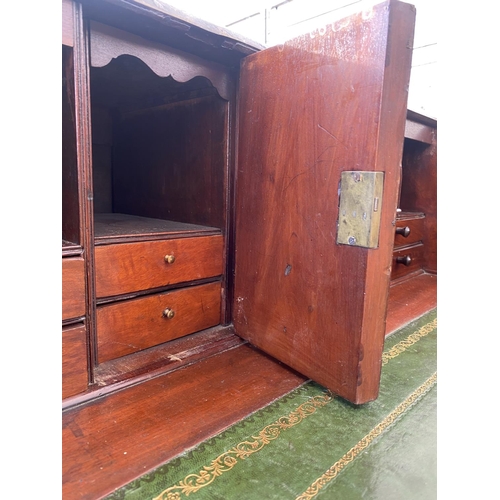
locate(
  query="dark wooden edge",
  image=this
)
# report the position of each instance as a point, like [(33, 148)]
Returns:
[(393, 112), (129, 238), (408, 246), (170, 26), (84, 161), (177, 14), (406, 277), (230, 228), (72, 251), (419, 132), (73, 321), (153, 291), (405, 215), (420, 118), (420, 128), (130, 370)]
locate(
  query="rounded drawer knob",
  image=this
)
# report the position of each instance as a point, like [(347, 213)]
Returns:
[(168, 313), (406, 260), (403, 231), (169, 259)]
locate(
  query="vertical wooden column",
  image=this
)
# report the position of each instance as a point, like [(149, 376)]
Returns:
[(84, 149)]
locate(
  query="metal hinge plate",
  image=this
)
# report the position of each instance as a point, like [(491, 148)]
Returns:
[(360, 208)]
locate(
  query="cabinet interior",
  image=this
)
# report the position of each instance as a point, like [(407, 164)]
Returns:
[(416, 225), (70, 205), (159, 153), (407, 206), (414, 168)]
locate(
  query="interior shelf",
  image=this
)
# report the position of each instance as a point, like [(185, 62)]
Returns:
[(116, 228), (409, 215), (159, 152), (71, 249)]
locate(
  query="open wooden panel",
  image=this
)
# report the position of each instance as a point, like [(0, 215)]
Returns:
[(327, 102)]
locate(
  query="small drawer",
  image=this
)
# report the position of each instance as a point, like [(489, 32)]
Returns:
[(412, 257), (73, 288), (131, 267), (132, 325), (74, 360), (413, 228)]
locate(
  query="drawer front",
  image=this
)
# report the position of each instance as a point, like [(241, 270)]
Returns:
[(74, 360), (132, 325), (73, 288), (416, 231), (416, 255), (131, 267)]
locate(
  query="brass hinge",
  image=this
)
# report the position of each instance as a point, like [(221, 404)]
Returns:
[(360, 208)]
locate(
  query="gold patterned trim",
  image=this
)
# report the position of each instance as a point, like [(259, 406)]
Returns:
[(227, 460), (408, 341), (335, 469)]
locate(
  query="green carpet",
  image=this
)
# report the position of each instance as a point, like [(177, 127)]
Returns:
[(311, 444)]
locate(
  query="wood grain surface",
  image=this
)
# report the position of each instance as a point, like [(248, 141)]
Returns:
[(73, 288), (120, 437), (323, 103), (129, 267), (133, 325), (74, 360)]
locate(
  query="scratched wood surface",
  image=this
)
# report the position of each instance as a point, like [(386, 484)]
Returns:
[(129, 326), (331, 101), (120, 437)]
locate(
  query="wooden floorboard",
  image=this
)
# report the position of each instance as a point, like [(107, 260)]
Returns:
[(410, 299), (116, 439)]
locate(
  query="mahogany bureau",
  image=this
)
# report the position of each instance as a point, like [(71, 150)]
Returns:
[(202, 180)]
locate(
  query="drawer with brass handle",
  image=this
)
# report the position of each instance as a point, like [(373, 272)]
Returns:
[(129, 326), (131, 267)]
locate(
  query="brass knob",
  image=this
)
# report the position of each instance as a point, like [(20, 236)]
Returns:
[(168, 313), (403, 231), (406, 260), (169, 259)]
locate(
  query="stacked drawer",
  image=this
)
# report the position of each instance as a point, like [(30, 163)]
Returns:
[(408, 251), (140, 311), (74, 336)]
